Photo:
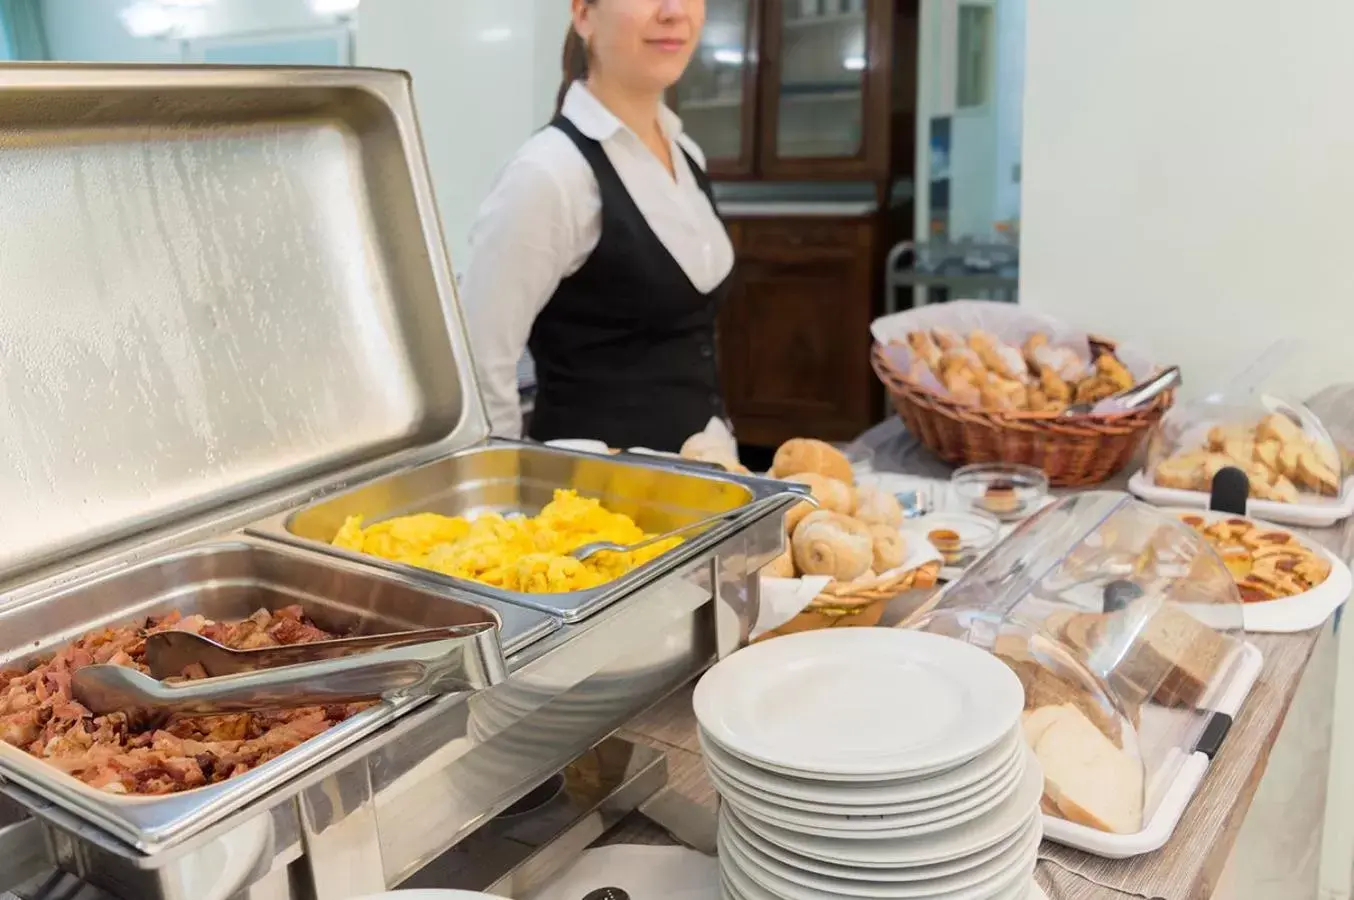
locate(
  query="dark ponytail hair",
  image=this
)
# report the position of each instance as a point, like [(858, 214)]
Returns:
[(574, 62)]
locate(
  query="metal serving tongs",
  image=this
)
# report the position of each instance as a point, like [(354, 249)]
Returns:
[(1131, 399), (346, 670)]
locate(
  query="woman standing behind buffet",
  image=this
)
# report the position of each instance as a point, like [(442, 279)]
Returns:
[(599, 247)]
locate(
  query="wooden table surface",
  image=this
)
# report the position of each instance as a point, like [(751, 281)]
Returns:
[(1190, 866)]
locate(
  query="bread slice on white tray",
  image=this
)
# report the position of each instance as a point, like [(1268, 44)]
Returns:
[(1090, 780)]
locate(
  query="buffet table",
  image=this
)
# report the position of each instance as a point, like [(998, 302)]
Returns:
[(1210, 851)]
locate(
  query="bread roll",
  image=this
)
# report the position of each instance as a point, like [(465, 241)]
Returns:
[(890, 547), (876, 507), (828, 543), (831, 494), (782, 566), (802, 455)]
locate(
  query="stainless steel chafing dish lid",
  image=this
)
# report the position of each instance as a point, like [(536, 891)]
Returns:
[(222, 291)]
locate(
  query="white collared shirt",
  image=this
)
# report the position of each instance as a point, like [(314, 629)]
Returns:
[(543, 219)]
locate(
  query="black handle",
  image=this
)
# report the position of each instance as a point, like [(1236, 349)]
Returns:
[(1231, 489)]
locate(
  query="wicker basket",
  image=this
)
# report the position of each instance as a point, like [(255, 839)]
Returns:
[(1071, 451), (854, 605)]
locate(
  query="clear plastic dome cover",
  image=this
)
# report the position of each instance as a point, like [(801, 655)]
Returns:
[(1125, 627), (1285, 451)]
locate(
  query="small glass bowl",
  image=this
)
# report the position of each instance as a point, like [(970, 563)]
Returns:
[(1004, 490), (960, 537)]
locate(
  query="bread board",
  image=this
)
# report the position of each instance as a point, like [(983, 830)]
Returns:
[(1313, 512), (1172, 798)]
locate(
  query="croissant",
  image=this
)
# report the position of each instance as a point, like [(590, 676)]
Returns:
[(890, 547), (802, 455), (828, 543), (876, 507)]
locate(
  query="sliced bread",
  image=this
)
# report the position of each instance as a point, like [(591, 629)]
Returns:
[(1035, 722), (1091, 781)]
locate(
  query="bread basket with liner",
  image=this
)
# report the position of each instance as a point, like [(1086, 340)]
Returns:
[(1125, 628), (1072, 450), (860, 604)]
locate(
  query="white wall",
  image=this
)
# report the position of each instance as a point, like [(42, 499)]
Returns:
[(1189, 178), (485, 77), (90, 30)]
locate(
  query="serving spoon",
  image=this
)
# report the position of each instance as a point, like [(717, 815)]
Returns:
[(589, 550)]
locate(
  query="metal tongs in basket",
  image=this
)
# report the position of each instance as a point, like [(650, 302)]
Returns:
[(345, 670)]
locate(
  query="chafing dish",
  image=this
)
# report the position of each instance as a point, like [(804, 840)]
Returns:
[(506, 478), (229, 317)]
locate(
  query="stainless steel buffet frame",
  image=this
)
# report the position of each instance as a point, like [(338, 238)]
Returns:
[(256, 325)]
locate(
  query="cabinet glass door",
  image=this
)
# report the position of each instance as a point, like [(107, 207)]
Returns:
[(823, 60), (715, 96)]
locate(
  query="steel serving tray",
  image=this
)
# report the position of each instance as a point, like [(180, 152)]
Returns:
[(510, 477), (221, 288), (230, 580)]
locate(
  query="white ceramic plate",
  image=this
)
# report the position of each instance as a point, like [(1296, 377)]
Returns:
[(872, 825), (432, 895), (970, 884), (801, 888), (867, 799), (930, 849), (743, 886), (876, 876), (859, 702), (1301, 612)]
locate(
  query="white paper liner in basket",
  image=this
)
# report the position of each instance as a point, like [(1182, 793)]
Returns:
[(1009, 323), (784, 598)]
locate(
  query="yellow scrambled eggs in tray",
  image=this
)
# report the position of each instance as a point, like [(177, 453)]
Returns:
[(515, 553)]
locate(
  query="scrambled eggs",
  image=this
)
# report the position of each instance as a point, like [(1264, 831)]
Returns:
[(529, 555)]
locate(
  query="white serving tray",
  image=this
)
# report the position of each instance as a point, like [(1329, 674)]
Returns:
[(1176, 796), (1301, 612), (1318, 512)]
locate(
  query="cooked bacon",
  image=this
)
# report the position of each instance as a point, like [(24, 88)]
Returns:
[(123, 754)]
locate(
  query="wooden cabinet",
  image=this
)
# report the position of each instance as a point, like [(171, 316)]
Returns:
[(799, 89), (795, 335), (790, 93)]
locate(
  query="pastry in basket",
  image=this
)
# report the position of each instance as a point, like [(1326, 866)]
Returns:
[(1000, 359), (924, 347), (1062, 362), (876, 507), (782, 566), (828, 543), (890, 547), (982, 371), (831, 495), (801, 455), (1266, 563), (1279, 458)]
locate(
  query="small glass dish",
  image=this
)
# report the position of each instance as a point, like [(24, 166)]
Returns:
[(959, 537), (1004, 490)]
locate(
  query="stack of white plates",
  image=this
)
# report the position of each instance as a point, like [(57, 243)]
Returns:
[(871, 763)]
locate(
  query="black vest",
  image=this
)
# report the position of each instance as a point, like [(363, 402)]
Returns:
[(625, 349)]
